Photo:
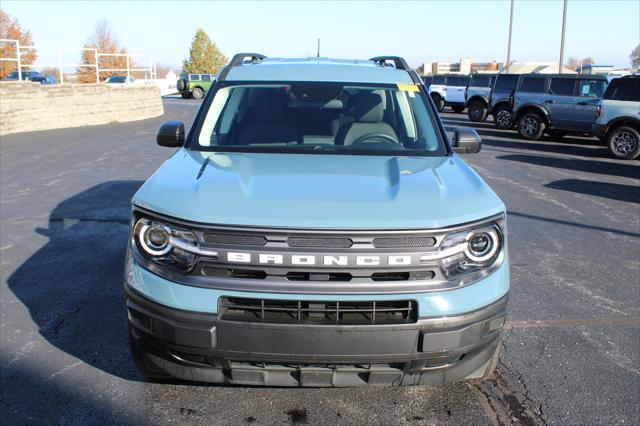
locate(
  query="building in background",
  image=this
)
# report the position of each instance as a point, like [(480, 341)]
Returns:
[(594, 69), (465, 66), (538, 67)]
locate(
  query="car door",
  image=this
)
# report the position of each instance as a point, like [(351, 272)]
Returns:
[(455, 89), (560, 101), (589, 91)]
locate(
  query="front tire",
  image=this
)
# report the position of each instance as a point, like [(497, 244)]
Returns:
[(457, 108), (437, 99), (477, 111), (531, 126), (503, 118), (197, 93), (624, 143)]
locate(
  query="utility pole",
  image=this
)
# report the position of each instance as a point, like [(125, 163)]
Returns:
[(564, 25), (318, 54), (509, 45)]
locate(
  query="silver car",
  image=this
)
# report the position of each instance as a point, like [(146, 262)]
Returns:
[(618, 117)]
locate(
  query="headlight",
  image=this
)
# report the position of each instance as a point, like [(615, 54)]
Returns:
[(165, 244), (471, 251)]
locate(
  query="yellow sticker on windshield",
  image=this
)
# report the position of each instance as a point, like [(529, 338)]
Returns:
[(408, 87)]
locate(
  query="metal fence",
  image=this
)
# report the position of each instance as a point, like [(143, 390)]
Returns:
[(60, 65)]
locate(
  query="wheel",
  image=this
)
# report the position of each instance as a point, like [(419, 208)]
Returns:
[(182, 84), (197, 93), (185, 95), (148, 372), (555, 134), (437, 99), (502, 117), (531, 126), (624, 143), (457, 108), (477, 111)]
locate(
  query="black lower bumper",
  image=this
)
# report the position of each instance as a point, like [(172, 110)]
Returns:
[(200, 347), (599, 130)]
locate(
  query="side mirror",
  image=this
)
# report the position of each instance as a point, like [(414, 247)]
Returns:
[(466, 141), (171, 134)]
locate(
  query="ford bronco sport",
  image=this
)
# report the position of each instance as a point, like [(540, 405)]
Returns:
[(316, 228)]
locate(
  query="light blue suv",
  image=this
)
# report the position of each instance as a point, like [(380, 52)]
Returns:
[(316, 227)]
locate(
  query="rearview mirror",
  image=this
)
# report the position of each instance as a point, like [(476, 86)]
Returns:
[(466, 141), (171, 134)]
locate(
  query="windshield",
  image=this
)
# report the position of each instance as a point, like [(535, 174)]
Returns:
[(320, 117)]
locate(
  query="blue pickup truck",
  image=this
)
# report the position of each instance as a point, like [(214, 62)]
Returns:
[(316, 227)]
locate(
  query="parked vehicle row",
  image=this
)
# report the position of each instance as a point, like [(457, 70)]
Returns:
[(551, 104), (34, 76)]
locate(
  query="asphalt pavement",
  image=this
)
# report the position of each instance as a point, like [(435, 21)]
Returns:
[(571, 351)]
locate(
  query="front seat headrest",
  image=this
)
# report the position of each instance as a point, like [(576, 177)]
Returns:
[(270, 107), (369, 108)]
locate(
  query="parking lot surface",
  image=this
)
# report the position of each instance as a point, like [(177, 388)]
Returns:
[(571, 350)]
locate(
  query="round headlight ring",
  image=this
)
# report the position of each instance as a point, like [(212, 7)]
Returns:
[(482, 245), (154, 239)]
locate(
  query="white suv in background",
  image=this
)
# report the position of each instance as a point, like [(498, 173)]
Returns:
[(449, 90)]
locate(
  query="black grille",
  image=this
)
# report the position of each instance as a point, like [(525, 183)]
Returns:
[(234, 273), (402, 276), (318, 276), (235, 239), (319, 242), (400, 242), (321, 312)]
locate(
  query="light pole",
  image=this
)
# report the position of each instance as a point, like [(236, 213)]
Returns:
[(564, 25), (509, 45)]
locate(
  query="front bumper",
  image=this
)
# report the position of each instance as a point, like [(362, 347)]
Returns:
[(199, 346)]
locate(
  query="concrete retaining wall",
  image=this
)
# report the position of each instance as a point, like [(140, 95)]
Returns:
[(27, 106)]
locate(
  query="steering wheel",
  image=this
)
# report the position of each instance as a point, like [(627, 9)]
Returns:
[(382, 137)]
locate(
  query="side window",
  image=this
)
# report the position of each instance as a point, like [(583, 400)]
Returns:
[(562, 86), (532, 85), (438, 79), (453, 81), (591, 88), (206, 77), (195, 77)]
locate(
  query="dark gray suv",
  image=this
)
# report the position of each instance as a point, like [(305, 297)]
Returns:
[(501, 100), (556, 104)]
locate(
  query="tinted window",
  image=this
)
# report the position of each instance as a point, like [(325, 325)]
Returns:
[(532, 84), (506, 82), (562, 86), (480, 81), (195, 77), (427, 80), (438, 79), (624, 89), (591, 88), (458, 80), (464, 80), (206, 77)]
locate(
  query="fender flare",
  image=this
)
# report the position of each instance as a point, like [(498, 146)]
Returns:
[(531, 107)]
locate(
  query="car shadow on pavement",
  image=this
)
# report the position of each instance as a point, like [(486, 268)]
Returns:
[(73, 285), (623, 169), (613, 191)]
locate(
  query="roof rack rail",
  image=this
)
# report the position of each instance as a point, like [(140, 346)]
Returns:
[(238, 59), (398, 61)]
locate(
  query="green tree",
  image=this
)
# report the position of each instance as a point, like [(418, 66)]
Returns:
[(635, 58), (204, 55)]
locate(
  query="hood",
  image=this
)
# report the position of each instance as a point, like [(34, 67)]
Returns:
[(318, 191)]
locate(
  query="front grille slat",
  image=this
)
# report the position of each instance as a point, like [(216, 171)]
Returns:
[(235, 239), (318, 312), (402, 242), (319, 242)]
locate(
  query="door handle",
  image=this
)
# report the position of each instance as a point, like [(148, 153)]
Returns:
[(549, 101), (583, 103)]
